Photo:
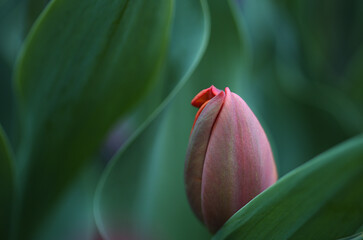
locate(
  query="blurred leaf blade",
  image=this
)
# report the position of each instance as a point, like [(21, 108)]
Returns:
[(6, 184), (71, 218), (78, 73), (187, 43), (143, 191), (321, 199), (181, 63)]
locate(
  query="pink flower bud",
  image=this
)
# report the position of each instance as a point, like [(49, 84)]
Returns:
[(229, 159)]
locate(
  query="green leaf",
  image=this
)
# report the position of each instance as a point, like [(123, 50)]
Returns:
[(116, 205), (72, 217), (358, 236), (142, 190), (84, 65), (323, 199), (189, 37), (6, 185)]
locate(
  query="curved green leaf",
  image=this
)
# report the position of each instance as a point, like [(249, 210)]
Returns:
[(116, 204), (323, 199), (142, 190), (6, 185), (72, 217), (85, 63)]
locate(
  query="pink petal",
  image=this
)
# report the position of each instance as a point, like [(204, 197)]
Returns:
[(197, 149), (238, 164)]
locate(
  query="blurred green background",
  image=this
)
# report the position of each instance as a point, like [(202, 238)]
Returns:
[(67, 108)]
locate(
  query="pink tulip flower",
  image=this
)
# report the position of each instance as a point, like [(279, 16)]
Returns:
[(229, 159)]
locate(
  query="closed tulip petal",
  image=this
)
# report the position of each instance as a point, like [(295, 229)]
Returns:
[(229, 159), (197, 149), (238, 153)]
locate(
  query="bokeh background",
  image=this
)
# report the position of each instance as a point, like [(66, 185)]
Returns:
[(297, 64)]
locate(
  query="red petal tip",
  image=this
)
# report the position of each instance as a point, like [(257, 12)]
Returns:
[(204, 96)]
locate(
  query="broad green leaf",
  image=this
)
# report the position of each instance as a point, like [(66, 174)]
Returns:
[(323, 199), (72, 217), (84, 64), (142, 190), (6, 185), (116, 204), (190, 32)]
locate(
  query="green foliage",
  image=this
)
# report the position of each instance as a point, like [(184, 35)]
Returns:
[(142, 192), (101, 62), (87, 65), (6, 185)]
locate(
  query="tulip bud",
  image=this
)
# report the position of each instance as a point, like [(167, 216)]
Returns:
[(229, 159)]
